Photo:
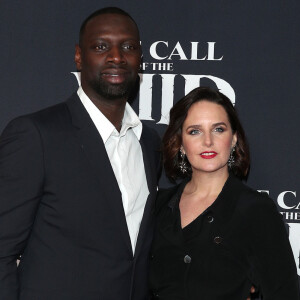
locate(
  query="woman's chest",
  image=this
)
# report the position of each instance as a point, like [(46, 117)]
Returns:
[(207, 248)]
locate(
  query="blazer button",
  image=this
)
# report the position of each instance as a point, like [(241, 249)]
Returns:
[(210, 219), (218, 240), (187, 259)]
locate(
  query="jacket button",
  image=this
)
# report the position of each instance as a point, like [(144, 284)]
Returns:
[(155, 295), (187, 259), (218, 240), (210, 219)]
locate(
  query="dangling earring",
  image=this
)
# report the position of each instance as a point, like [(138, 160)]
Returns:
[(182, 165), (231, 160)]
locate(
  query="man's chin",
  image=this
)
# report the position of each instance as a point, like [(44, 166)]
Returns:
[(114, 91)]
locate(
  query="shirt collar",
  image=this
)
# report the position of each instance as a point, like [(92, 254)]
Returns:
[(104, 126), (131, 120)]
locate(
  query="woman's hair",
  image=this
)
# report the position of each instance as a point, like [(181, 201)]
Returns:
[(172, 139)]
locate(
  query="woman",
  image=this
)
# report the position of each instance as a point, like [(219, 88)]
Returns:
[(215, 237)]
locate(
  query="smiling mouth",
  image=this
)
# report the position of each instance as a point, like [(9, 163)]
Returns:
[(208, 155), (114, 74), (114, 78)]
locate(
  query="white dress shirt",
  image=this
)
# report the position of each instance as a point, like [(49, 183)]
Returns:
[(126, 158)]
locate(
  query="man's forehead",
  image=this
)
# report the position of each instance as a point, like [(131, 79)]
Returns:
[(110, 26), (112, 20)]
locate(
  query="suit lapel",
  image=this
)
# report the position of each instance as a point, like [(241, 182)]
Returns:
[(93, 148), (169, 214), (150, 170)]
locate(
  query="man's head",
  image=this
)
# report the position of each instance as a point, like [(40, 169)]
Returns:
[(108, 54), (103, 11)]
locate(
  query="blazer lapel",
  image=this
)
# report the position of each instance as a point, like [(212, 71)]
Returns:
[(93, 148)]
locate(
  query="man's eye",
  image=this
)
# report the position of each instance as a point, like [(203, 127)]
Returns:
[(129, 47), (101, 47)]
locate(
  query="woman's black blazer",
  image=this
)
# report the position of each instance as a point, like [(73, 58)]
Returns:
[(240, 240)]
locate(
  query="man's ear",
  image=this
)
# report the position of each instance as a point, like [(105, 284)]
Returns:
[(78, 57)]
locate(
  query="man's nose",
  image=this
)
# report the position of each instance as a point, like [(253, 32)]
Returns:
[(115, 55)]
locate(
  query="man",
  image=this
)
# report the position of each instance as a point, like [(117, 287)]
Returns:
[(78, 181)]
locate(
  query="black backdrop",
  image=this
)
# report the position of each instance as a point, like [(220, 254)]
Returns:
[(248, 49)]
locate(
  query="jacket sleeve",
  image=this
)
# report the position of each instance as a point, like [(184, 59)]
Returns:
[(272, 254), (21, 180)]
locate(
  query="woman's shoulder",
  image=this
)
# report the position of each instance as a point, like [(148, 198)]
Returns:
[(253, 196), (166, 192), (168, 196), (251, 200), (164, 195)]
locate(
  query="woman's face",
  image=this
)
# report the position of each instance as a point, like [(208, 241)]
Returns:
[(207, 137)]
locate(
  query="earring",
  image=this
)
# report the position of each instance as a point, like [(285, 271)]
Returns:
[(231, 160), (182, 165)]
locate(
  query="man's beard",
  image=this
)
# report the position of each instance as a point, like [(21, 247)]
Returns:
[(113, 91)]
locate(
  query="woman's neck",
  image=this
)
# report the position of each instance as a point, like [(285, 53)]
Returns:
[(206, 184)]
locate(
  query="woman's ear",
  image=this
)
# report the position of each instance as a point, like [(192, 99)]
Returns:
[(234, 140), (182, 150)]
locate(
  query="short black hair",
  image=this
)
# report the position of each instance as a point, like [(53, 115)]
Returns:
[(103, 11)]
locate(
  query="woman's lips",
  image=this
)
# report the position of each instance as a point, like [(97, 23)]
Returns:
[(208, 154)]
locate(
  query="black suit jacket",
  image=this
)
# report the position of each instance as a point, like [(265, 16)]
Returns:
[(61, 209)]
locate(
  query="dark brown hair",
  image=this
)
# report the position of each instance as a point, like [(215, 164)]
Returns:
[(172, 139)]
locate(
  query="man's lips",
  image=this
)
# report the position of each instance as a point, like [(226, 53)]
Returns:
[(114, 76), (208, 154)]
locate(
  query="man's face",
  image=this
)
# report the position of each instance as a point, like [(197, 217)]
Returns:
[(109, 56)]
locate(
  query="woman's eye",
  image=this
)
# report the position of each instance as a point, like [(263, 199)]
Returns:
[(219, 129), (194, 131)]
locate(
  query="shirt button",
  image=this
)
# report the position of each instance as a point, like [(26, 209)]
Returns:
[(187, 259), (210, 219), (218, 240)]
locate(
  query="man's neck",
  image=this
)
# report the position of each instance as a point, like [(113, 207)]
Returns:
[(113, 110)]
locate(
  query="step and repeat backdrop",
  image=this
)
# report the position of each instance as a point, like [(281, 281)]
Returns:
[(249, 50)]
